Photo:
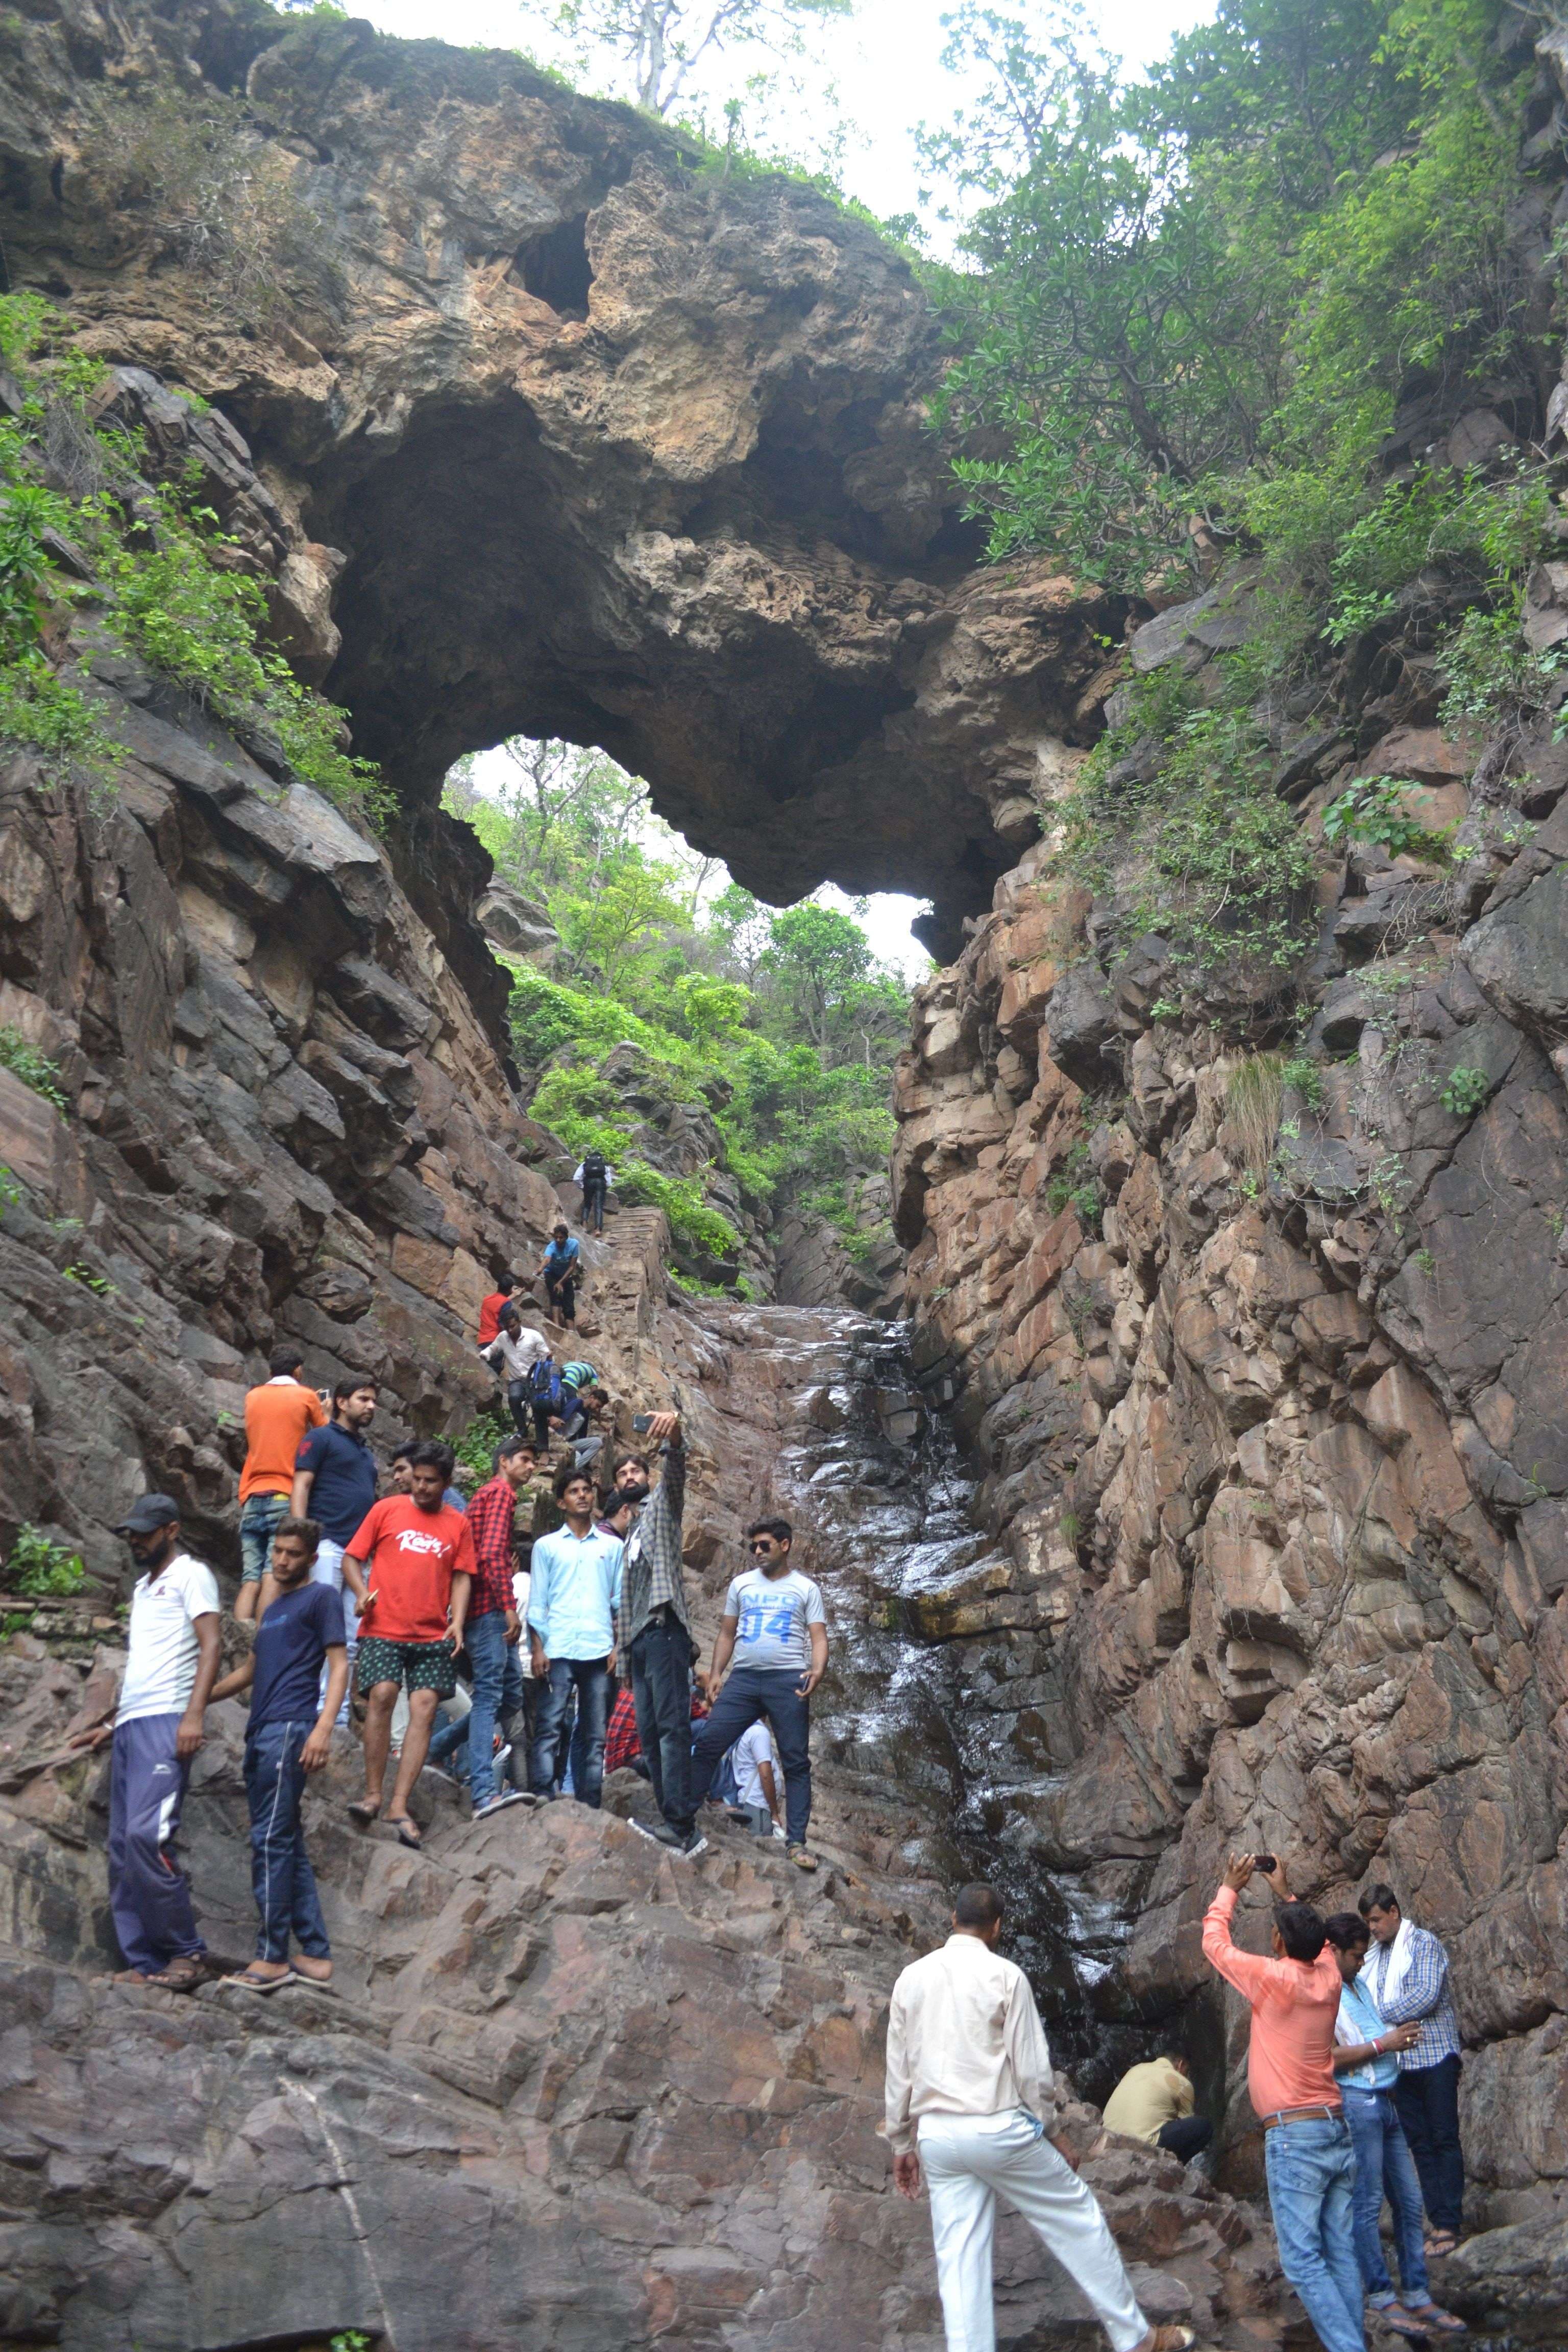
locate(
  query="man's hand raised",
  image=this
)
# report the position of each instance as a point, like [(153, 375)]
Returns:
[(663, 1428), (1242, 1866)]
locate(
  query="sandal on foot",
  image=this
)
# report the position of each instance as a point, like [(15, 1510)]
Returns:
[(406, 1833), (1440, 2243), (803, 1858), (364, 1810), (305, 1976), (254, 1983), (1173, 2338), (129, 1976), (182, 1975), (1401, 2321), (1431, 2316)]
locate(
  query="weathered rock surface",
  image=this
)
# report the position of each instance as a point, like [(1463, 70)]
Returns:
[(1275, 1470), (565, 438)]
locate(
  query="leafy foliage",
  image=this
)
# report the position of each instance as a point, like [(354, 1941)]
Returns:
[(1465, 1091), (42, 1568), (34, 1069), (1368, 810)]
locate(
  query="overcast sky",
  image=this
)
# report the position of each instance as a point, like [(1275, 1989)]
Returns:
[(885, 65)]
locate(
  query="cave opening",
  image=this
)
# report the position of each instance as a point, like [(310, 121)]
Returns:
[(555, 267)]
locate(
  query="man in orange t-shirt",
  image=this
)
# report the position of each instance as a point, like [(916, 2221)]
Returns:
[(1307, 2157), (410, 1566), (280, 1413), (492, 1308)]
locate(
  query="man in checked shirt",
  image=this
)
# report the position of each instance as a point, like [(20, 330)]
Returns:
[(654, 1636), (492, 1629), (1407, 1973)]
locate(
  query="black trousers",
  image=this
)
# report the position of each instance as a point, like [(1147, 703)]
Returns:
[(562, 1291), (661, 1691), (1427, 2098), (1184, 2135), (593, 1207)]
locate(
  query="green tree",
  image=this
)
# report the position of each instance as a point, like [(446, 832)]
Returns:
[(665, 44)]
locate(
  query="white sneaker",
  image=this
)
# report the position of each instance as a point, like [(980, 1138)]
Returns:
[(498, 1803)]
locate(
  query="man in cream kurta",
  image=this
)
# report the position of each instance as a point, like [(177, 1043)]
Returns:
[(969, 2073)]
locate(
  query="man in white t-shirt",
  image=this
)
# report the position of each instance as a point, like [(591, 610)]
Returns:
[(759, 1778), (775, 1628), (171, 1664)]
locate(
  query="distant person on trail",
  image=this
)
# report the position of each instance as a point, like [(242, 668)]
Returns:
[(512, 1354), (574, 1591), (1308, 2158), (1407, 1973), (1154, 2103), (277, 1414), (289, 1735), (594, 1176), (411, 1565), (562, 1266), (655, 1636), (776, 1629), (171, 1663), (969, 2076), (1366, 2059), (334, 1485), (493, 1308)]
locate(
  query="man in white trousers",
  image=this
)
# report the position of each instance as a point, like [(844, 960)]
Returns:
[(969, 2073)]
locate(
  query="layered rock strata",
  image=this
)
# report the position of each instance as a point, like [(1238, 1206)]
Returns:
[(1271, 1430)]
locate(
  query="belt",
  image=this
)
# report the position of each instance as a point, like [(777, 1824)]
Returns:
[(1303, 2115)]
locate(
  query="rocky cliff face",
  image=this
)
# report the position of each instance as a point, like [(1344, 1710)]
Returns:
[(563, 436), (1271, 1424)]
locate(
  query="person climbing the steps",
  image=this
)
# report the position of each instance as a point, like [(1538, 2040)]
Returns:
[(573, 1593), (334, 1486), (654, 1637), (775, 1628), (411, 1568), (544, 1400), (972, 2108), (512, 1355), (289, 1736), (562, 1266), (171, 1663), (1309, 2161), (594, 1175), (492, 1307), (1366, 2059), (278, 1417), (492, 1627)]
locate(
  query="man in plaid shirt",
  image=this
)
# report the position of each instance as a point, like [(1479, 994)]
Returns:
[(492, 1628), (654, 1636), (1406, 1974)]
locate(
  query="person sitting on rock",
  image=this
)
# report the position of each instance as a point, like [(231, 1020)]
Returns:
[(1367, 2060), (278, 1415), (1154, 2103), (1308, 2158), (171, 1663), (969, 2079), (492, 1307), (758, 1780), (774, 1627), (572, 1598), (562, 1266), (1407, 1973), (411, 1567), (654, 1637), (287, 1736)]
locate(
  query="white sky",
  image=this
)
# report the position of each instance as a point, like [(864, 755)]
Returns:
[(884, 63)]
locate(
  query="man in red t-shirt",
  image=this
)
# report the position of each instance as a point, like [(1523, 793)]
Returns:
[(410, 1568), (279, 1415), (492, 1308)]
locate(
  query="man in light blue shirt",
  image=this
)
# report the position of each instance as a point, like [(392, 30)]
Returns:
[(1366, 2063), (573, 1596)]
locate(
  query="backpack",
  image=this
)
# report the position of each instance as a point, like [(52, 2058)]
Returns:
[(595, 1167), (543, 1386)]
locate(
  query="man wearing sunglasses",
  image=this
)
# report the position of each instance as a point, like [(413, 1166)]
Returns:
[(775, 1628)]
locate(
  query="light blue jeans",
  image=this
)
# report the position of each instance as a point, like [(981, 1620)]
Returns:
[(1385, 2167), (1310, 2168)]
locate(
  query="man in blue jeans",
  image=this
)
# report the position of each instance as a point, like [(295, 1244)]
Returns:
[(775, 1628), (1407, 1973), (573, 1593), (1308, 2158), (492, 1632), (1366, 2062), (289, 1736)]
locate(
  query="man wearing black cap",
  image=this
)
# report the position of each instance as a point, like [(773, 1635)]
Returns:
[(171, 1664)]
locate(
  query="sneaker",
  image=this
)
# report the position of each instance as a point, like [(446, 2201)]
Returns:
[(684, 1844), (498, 1759), (496, 1803)]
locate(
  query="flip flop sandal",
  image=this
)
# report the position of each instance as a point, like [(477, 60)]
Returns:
[(1430, 2318), (406, 1835), (322, 1984), (1403, 2321), (259, 1984), (180, 1976), (1441, 2243), (363, 1811), (129, 1976)]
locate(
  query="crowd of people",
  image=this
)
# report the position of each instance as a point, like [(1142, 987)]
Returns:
[(547, 1617)]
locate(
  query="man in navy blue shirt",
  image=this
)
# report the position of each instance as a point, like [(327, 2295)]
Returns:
[(289, 1735), (334, 1484)]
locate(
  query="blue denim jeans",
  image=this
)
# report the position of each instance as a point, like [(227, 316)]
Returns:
[(1310, 2169), (750, 1692), (484, 1638), (258, 1522), (1385, 2167), (590, 1677), (281, 1878)]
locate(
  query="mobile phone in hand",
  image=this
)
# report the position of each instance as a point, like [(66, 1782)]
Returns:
[(642, 1422), (1265, 1862)]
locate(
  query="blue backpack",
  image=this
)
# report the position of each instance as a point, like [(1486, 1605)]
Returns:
[(544, 1383)]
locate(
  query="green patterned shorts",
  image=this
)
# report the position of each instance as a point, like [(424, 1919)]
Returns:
[(419, 1665)]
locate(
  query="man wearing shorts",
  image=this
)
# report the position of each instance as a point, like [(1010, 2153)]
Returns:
[(410, 1566)]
